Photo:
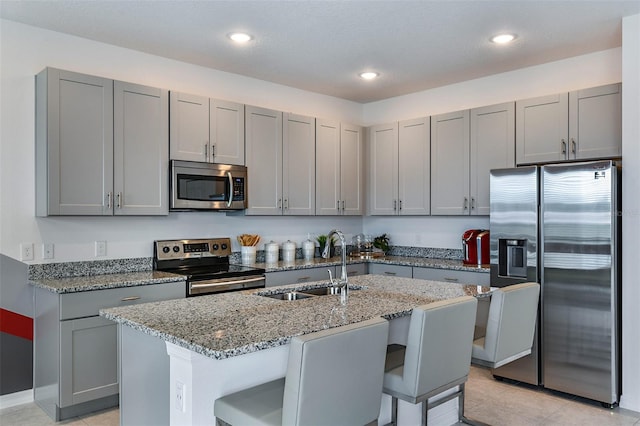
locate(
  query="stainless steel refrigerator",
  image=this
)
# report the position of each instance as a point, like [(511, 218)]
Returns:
[(559, 225)]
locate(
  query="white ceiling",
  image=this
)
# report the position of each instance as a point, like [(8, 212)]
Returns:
[(321, 46)]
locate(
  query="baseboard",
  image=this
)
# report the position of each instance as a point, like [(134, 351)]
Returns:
[(16, 398)]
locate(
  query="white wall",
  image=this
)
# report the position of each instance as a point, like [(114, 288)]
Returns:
[(27, 50), (631, 212)]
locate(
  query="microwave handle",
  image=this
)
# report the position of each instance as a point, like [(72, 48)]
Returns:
[(230, 189)]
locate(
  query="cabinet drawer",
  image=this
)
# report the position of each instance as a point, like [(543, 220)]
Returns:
[(447, 275), (299, 276), (390, 270), (353, 270), (88, 303)]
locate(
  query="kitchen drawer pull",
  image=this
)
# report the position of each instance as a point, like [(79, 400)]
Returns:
[(352, 273), (304, 278), (400, 205), (473, 203), (338, 205), (573, 146), (564, 146), (395, 205), (109, 199), (451, 280), (129, 299), (465, 206), (389, 273), (342, 205), (119, 200), (206, 151)]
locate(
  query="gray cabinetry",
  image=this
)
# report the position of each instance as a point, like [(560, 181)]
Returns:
[(584, 124), (298, 276), (75, 350), (339, 168), (390, 270), (452, 276), (101, 148), (399, 166), (208, 130), (466, 145), (299, 165)]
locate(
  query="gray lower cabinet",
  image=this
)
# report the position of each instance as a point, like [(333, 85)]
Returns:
[(390, 270), (452, 276), (101, 146), (301, 276), (76, 367)]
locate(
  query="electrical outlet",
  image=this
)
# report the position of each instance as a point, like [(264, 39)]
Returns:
[(47, 251), (180, 396), (26, 251), (101, 248)]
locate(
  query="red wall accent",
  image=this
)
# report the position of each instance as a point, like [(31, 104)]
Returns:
[(16, 324)]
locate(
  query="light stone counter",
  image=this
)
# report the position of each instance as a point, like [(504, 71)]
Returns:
[(107, 281), (226, 325)]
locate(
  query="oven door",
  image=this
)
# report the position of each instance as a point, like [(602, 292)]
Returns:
[(206, 186), (197, 287)]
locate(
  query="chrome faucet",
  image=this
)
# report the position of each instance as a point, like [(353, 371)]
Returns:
[(341, 283)]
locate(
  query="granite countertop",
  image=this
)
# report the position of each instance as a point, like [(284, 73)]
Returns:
[(226, 325), (423, 262), (106, 281)]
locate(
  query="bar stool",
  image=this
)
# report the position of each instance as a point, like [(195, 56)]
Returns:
[(436, 358), (333, 377), (510, 326)]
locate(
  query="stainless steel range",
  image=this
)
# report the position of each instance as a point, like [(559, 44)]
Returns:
[(205, 262)]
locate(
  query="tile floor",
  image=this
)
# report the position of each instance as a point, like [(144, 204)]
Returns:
[(487, 400)]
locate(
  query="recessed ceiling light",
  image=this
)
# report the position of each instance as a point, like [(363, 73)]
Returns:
[(369, 75), (240, 37), (503, 38)]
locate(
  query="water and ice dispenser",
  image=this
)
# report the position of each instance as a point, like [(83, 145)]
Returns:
[(512, 258)]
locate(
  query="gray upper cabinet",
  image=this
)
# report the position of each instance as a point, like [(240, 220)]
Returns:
[(339, 168), (399, 165), (208, 130), (450, 164), (492, 147), (141, 159), (299, 165), (99, 151), (264, 161), (585, 124)]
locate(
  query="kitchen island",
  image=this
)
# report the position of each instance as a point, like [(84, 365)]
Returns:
[(222, 343)]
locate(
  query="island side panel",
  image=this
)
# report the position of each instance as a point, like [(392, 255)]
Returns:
[(144, 378)]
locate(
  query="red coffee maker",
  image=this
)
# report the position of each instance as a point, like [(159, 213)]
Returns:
[(475, 247)]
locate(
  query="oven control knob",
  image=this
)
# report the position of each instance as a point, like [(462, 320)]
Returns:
[(165, 249), (176, 249), (215, 247), (224, 246)]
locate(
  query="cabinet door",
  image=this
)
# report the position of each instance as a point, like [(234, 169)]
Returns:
[(383, 169), (226, 132), (141, 154), (492, 147), (390, 270), (542, 129), (450, 164), (414, 166), (88, 360), (595, 122), (351, 170), (189, 138), (264, 160), (299, 165), (327, 167), (298, 276), (74, 144)]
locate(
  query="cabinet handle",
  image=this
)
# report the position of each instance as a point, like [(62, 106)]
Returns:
[(400, 205), (109, 199), (342, 205), (304, 279), (213, 151), (564, 146), (465, 206), (473, 203), (118, 200), (285, 206), (129, 299), (389, 273), (352, 273), (280, 203), (206, 151), (338, 205), (451, 280), (394, 205), (573, 146)]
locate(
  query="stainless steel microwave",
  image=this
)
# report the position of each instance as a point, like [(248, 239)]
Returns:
[(207, 186)]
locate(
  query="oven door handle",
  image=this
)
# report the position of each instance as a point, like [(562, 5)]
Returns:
[(230, 189), (223, 285)]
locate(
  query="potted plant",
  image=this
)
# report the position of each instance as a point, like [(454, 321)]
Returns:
[(382, 242), (322, 242)]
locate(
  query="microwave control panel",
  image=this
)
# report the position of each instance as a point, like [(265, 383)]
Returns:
[(238, 188)]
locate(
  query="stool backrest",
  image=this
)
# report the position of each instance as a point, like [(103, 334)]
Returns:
[(439, 344), (335, 376), (512, 321)]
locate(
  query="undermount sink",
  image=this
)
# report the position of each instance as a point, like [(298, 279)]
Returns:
[(306, 293)]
